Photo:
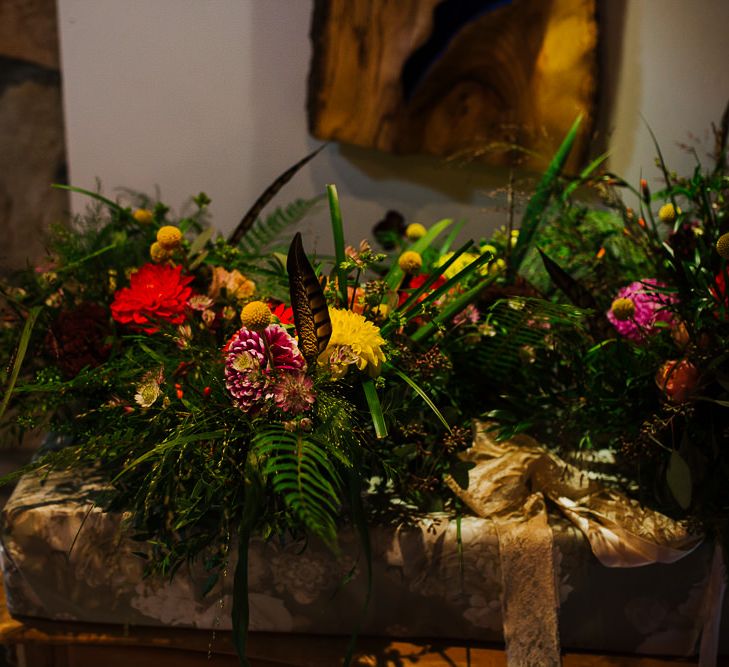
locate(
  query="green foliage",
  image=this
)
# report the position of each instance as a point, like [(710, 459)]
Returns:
[(262, 236), (301, 472)]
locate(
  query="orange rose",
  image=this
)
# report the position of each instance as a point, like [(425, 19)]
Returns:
[(677, 379)]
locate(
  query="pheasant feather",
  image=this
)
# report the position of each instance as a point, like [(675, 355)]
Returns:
[(268, 194), (311, 314)]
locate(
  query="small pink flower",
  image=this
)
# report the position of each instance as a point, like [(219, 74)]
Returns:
[(469, 315), (293, 392), (651, 306)]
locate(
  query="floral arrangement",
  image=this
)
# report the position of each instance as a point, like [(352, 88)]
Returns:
[(223, 388), (610, 332)]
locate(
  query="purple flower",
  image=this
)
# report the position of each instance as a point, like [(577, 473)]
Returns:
[(650, 306), (250, 368)]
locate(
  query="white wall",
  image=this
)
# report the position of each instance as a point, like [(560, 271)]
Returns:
[(210, 95)]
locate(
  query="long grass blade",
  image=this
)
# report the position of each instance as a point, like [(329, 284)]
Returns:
[(538, 203), (452, 236), (420, 392), (584, 175), (19, 356), (373, 403), (456, 306), (456, 280), (359, 518), (338, 235), (90, 193)]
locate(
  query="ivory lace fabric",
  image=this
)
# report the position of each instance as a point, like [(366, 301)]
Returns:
[(510, 483)]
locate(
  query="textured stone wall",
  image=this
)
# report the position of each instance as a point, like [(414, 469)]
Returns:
[(32, 148)]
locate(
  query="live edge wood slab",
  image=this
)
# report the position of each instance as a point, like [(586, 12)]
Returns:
[(389, 75)]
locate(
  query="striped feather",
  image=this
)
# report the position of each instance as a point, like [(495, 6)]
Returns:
[(574, 290), (311, 314), (268, 194)]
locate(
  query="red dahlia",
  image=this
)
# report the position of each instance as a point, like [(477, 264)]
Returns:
[(156, 293)]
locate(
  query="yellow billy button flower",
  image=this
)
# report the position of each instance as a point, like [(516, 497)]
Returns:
[(143, 216), (410, 262), (623, 309), (668, 213), (169, 237), (256, 316), (496, 267), (415, 231), (158, 253), (722, 246)]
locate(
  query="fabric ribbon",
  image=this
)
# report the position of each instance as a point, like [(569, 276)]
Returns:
[(509, 484)]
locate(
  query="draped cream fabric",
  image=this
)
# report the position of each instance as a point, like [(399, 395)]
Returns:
[(509, 484)]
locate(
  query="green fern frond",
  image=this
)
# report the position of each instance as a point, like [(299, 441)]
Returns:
[(265, 231), (302, 473)]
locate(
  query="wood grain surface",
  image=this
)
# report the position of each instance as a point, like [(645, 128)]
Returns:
[(506, 88)]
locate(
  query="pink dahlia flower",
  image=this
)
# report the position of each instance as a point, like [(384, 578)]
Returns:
[(651, 305), (250, 369)]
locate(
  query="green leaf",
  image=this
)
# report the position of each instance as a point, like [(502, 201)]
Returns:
[(338, 235), (412, 298), (678, 477), (166, 445), (457, 280), (452, 236), (453, 308), (89, 193), (409, 381), (373, 403), (264, 232), (584, 175), (538, 203), (302, 475), (200, 240), (359, 518), (19, 356)]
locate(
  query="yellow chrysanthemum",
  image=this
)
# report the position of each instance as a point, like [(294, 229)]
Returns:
[(169, 237), (354, 341), (256, 316), (410, 261), (415, 231), (143, 216)]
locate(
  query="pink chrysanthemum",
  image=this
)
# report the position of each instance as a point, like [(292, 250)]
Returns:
[(250, 368), (293, 392), (651, 305)]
